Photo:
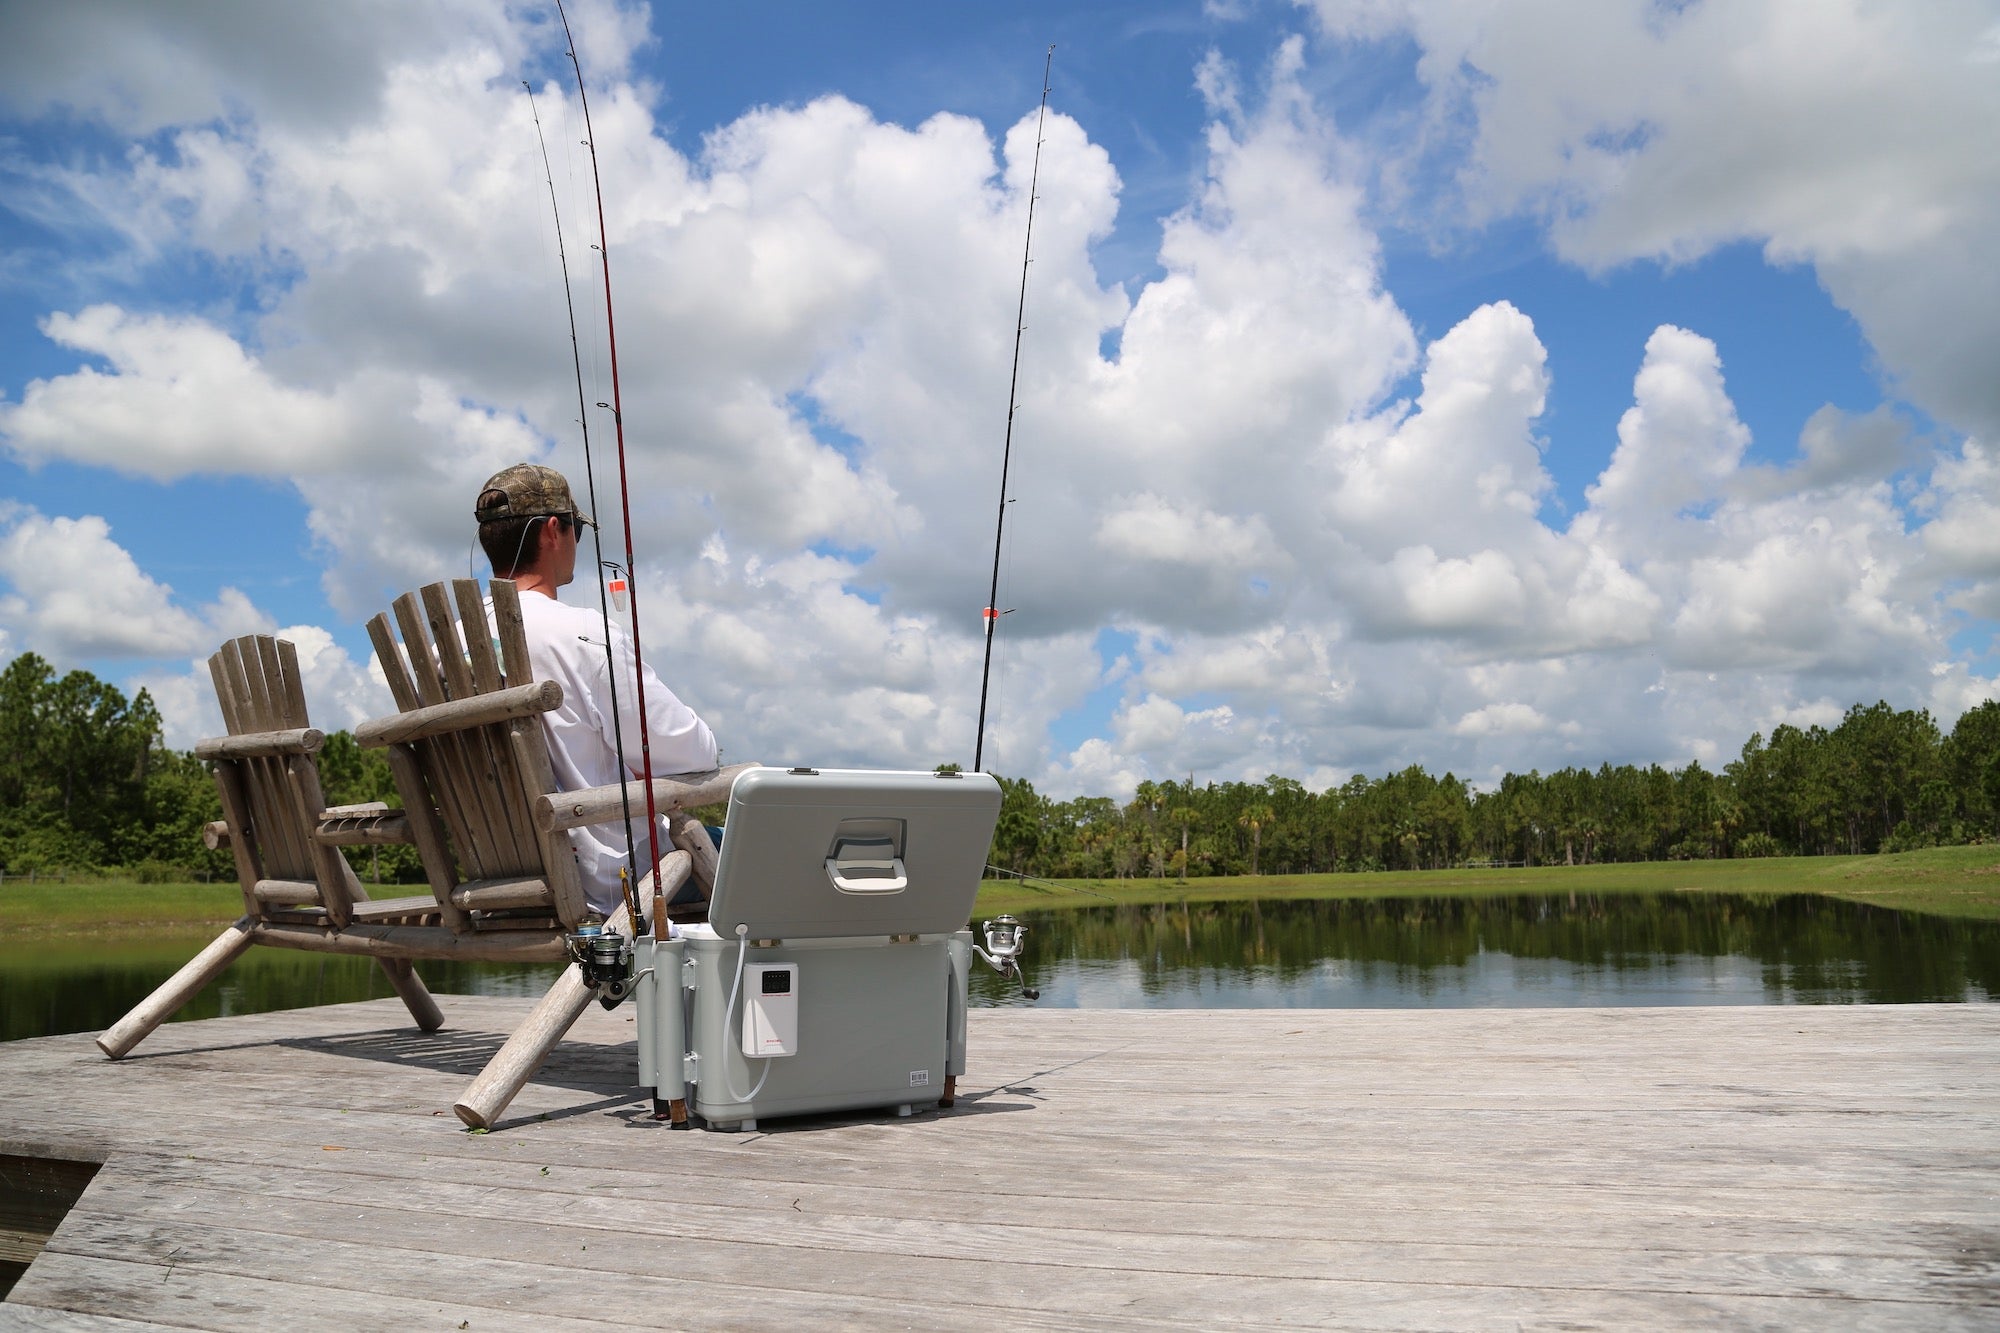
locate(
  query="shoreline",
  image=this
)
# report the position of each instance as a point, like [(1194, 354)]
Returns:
[(1962, 883)]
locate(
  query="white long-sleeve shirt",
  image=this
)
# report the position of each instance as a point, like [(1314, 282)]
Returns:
[(566, 645)]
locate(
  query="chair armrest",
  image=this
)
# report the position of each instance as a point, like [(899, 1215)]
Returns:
[(477, 710), (215, 834), (370, 825), (262, 744), (603, 805)]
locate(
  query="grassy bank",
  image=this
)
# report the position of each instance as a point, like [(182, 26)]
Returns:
[(114, 907), (1947, 881)]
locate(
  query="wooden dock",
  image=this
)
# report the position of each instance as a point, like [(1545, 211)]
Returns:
[(1833, 1167)]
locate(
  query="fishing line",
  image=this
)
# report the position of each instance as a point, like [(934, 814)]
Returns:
[(624, 477), (631, 867), (993, 612), (592, 297)]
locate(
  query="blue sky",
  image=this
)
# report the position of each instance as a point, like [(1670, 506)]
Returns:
[(1480, 386)]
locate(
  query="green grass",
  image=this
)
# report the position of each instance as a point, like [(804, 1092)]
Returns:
[(114, 907), (1946, 881)]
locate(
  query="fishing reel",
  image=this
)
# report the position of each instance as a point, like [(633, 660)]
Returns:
[(1005, 937), (604, 957)]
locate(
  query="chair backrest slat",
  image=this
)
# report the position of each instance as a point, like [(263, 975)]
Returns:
[(417, 650), (511, 631), (292, 700), (478, 646), (401, 688), (256, 696), (225, 698), (271, 684), (231, 690), (444, 633), (240, 689)]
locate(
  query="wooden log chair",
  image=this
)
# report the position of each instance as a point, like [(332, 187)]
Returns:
[(298, 890), (471, 763)]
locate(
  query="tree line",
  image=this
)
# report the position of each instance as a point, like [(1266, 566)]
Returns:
[(86, 784), (1881, 780)]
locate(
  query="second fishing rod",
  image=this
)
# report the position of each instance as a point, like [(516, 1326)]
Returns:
[(993, 612)]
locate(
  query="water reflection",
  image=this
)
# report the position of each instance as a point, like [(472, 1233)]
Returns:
[(1625, 949), (51, 988), (1526, 950)]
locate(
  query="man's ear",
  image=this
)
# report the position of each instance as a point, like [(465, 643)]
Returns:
[(547, 537)]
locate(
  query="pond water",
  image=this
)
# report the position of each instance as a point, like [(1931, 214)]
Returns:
[(1520, 951), (1620, 949)]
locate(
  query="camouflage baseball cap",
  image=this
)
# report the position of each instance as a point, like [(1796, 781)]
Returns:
[(526, 490)]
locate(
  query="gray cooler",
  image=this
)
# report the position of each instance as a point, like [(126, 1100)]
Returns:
[(845, 894)]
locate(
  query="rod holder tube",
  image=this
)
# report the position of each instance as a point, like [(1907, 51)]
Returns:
[(959, 950), (643, 992), (667, 1042)]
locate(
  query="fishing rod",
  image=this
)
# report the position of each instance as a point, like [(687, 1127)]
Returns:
[(590, 483), (624, 488), (1007, 448)]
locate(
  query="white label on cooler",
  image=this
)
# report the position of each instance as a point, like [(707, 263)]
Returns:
[(771, 1009)]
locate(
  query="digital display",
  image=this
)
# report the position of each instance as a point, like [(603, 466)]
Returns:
[(777, 983)]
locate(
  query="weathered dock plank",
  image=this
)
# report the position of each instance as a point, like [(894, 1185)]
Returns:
[(1803, 1167)]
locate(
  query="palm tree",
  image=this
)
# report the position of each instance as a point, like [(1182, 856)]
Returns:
[(1254, 817), (1146, 800), (1185, 817)]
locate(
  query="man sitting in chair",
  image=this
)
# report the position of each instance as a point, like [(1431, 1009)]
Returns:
[(529, 525)]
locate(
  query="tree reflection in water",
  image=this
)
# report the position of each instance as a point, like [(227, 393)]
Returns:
[(1526, 950)]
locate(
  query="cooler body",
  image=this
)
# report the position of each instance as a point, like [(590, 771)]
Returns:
[(872, 1031), (880, 1024), (843, 894)]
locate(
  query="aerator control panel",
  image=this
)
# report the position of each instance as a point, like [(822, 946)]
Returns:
[(771, 1009)]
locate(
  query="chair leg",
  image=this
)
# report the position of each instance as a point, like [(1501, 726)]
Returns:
[(514, 1063), (176, 991), (416, 997)]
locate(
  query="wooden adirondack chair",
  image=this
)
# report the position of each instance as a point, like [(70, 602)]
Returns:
[(471, 763), (272, 805)]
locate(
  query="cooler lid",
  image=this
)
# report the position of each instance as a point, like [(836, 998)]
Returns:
[(829, 852)]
